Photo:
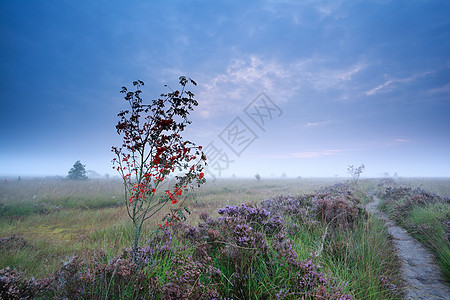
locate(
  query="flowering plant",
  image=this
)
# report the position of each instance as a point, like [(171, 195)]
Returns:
[(152, 149)]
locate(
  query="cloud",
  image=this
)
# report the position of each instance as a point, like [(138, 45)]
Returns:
[(304, 155), (316, 73), (300, 12), (331, 8), (389, 82), (401, 140), (381, 86), (244, 78), (316, 124), (378, 144), (443, 89), (254, 71), (242, 81)]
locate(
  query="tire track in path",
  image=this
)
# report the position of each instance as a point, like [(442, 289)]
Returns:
[(422, 276)]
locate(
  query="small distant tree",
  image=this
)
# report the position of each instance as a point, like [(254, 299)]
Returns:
[(258, 177), (355, 172), (152, 149), (78, 172)]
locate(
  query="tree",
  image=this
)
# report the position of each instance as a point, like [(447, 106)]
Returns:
[(152, 149), (355, 172), (258, 177), (78, 172)]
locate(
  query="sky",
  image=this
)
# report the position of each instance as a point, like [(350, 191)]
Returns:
[(301, 88)]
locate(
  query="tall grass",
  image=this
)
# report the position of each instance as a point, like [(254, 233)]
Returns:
[(26, 197), (362, 257), (429, 225), (365, 259), (440, 186), (426, 216)]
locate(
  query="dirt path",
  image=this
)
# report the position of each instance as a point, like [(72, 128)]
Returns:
[(422, 276)]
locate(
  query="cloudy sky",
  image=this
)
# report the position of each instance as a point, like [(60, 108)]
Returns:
[(304, 88)]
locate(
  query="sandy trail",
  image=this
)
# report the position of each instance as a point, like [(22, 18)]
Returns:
[(422, 276)]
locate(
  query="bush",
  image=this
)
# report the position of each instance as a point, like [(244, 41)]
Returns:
[(404, 199), (335, 205), (425, 215), (14, 285)]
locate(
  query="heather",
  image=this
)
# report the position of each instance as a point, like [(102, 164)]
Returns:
[(425, 215), (320, 245)]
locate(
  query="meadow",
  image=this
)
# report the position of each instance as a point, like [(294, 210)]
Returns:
[(65, 217), (244, 239)]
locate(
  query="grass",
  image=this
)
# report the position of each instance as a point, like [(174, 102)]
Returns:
[(81, 216), (19, 198), (359, 257), (428, 222), (363, 256), (440, 186), (70, 216)]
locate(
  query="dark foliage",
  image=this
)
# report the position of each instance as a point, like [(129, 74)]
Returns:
[(12, 242), (77, 172), (14, 285), (153, 148)]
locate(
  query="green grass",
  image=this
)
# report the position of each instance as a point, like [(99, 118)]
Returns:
[(359, 256), (38, 258), (427, 224), (20, 198)]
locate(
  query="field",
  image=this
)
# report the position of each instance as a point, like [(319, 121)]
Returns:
[(65, 217), (49, 225)]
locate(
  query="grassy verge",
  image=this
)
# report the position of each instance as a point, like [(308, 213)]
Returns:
[(364, 258), (425, 215)]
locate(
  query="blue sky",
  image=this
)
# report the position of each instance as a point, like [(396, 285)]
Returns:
[(343, 82)]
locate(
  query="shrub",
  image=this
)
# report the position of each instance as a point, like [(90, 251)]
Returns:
[(14, 285), (404, 199), (337, 211), (335, 205), (194, 278), (12, 242)]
